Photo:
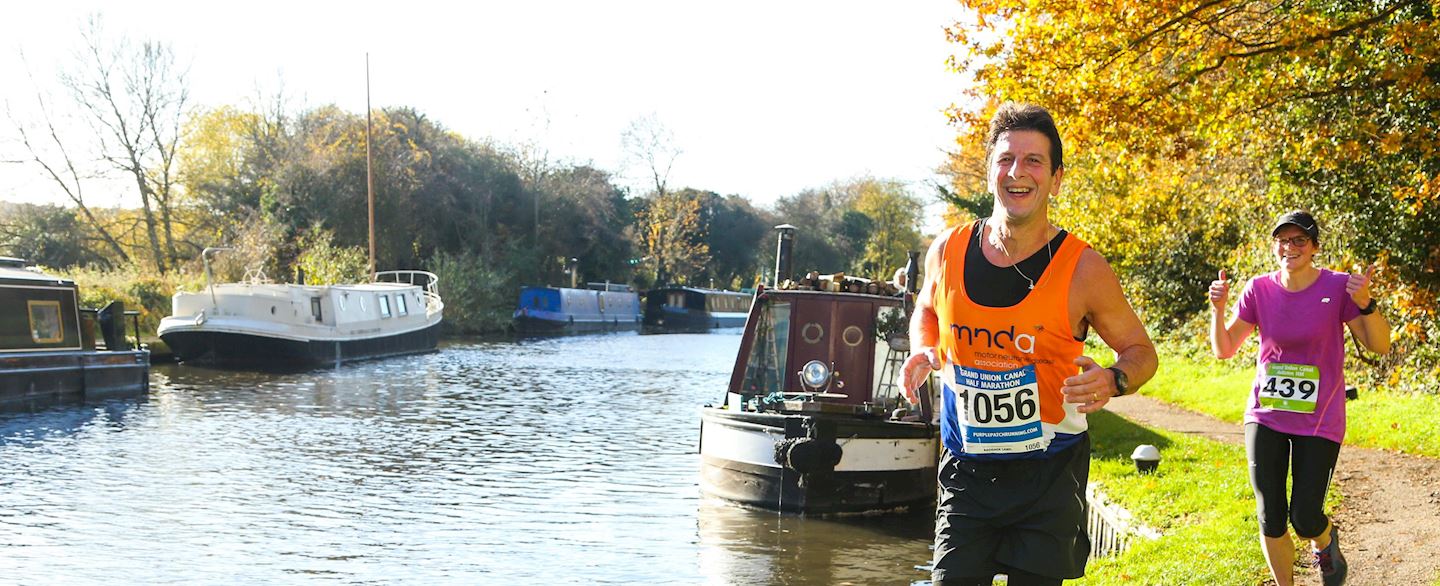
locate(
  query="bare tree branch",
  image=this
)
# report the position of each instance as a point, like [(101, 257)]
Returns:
[(71, 182), (648, 140), (136, 102)]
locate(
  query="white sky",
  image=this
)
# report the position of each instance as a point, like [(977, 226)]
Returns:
[(765, 98)]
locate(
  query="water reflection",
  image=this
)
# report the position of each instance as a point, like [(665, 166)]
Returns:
[(744, 546), (490, 462), (55, 423)]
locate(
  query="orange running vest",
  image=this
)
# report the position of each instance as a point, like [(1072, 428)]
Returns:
[(1003, 342)]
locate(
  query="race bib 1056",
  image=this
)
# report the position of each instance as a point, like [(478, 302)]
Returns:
[(998, 411)]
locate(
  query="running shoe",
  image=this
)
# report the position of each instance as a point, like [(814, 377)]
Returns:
[(1331, 562)]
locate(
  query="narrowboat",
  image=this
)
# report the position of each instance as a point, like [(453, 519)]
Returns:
[(812, 421), (259, 324), (49, 349), (695, 308), (564, 310)]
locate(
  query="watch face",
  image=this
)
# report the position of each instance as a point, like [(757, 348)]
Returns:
[(1122, 381)]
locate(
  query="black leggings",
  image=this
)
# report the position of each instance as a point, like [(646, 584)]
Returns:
[(1271, 453)]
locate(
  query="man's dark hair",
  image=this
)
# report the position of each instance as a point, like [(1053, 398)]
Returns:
[(1014, 116)]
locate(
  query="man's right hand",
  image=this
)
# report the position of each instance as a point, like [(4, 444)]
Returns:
[(918, 366), (1220, 292)]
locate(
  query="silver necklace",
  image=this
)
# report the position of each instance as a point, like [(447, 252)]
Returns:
[(1049, 256)]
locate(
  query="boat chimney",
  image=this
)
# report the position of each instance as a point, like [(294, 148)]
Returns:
[(912, 273), (783, 249)]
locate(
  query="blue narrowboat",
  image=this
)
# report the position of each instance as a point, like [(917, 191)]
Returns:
[(562, 310)]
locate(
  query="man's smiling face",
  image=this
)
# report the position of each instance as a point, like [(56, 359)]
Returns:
[(1020, 174)]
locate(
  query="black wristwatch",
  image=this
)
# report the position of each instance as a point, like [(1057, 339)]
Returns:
[(1368, 309), (1122, 382)]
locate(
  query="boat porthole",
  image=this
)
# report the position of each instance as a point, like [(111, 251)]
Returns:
[(272, 310), (805, 332), (853, 332)]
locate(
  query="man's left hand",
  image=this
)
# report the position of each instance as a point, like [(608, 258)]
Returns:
[(1092, 387)]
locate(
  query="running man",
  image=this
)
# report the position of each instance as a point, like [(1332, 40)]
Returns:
[(1005, 307)]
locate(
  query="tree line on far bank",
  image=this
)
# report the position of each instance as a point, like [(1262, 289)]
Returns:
[(287, 192)]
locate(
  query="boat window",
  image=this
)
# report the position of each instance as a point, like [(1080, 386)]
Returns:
[(315, 310), (384, 306), (400, 305), (677, 299), (765, 367), (45, 325), (343, 297), (362, 305)]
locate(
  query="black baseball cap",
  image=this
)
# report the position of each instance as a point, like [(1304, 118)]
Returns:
[(1300, 219)]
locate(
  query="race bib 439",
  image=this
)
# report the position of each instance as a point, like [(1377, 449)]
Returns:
[(1290, 387)]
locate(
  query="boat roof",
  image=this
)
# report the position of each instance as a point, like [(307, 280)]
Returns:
[(614, 288), (14, 269), (885, 299), (705, 290), (381, 286)]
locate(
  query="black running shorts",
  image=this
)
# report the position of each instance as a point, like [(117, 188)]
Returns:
[(1026, 514)]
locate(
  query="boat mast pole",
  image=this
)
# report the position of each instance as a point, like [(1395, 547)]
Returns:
[(210, 278), (369, 172)]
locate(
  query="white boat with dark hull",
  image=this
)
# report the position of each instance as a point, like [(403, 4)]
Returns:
[(265, 325), (50, 352), (812, 421)]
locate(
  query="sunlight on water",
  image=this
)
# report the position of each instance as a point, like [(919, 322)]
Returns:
[(558, 460)]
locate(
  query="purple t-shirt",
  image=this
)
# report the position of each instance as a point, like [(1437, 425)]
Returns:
[(1302, 338)]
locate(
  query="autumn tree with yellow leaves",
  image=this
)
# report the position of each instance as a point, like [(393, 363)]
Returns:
[(1189, 125), (669, 230)]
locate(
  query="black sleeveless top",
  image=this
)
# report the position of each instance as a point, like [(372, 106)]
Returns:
[(993, 286)]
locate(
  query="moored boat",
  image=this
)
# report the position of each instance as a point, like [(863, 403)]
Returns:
[(812, 421), (50, 352), (563, 310), (695, 308), (260, 324)]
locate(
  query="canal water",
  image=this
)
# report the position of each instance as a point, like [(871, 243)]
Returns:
[(561, 460)]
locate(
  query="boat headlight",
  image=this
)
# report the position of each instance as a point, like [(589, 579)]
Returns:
[(815, 374)]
